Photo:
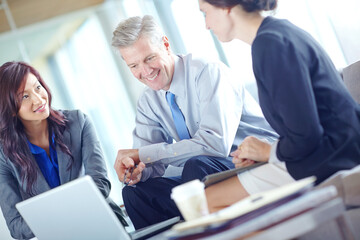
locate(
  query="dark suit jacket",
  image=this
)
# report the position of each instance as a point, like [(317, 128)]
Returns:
[(84, 145), (305, 101)]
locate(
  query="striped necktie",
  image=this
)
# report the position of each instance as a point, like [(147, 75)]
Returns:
[(178, 117)]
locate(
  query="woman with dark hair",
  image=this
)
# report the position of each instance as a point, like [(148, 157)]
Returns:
[(301, 95), (41, 148)]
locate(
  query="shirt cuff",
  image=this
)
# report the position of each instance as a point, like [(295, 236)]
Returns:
[(273, 158), (145, 175), (148, 154)]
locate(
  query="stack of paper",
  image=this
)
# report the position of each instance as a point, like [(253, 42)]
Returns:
[(270, 206)]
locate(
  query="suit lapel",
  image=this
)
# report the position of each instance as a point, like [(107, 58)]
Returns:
[(40, 184), (64, 160)]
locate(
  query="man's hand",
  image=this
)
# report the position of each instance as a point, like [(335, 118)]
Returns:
[(251, 150), (127, 161)]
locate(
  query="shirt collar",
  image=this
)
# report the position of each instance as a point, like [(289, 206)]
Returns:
[(177, 85), (38, 150)]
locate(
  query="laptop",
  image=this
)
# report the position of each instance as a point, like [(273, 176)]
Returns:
[(77, 210)]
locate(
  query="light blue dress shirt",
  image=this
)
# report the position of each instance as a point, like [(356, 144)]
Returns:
[(218, 111)]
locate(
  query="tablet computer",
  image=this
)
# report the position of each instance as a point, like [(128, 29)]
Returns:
[(220, 176)]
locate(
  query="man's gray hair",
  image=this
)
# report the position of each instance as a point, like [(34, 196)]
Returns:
[(131, 29)]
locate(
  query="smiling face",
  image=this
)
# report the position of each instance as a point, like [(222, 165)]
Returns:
[(35, 102), (218, 20), (151, 64)]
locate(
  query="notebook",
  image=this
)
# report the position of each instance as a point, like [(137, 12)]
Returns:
[(254, 204), (77, 210)]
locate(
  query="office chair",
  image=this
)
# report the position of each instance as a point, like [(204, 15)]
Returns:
[(347, 182), (351, 77), (4, 231)]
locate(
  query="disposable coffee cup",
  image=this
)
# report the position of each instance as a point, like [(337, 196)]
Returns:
[(190, 199)]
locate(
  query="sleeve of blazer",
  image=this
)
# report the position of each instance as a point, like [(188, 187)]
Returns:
[(283, 74), (9, 196), (91, 152)]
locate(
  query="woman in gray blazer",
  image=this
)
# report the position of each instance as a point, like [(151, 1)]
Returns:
[(41, 148)]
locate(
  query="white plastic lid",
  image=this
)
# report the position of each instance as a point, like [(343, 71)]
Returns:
[(187, 189)]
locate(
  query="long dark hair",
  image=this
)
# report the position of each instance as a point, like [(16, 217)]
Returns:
[(12, 133), (248, 5)]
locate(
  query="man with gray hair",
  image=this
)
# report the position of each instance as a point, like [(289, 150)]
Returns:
[(191, 115)]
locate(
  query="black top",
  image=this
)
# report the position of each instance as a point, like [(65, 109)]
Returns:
[(304, 99)]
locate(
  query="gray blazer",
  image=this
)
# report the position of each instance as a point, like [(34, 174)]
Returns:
[(81, 139)]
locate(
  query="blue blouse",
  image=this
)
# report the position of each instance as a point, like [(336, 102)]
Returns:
[(48, 166)]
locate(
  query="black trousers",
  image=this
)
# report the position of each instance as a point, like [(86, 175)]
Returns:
[(149, 202)]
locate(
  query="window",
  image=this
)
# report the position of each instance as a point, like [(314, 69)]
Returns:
[(91, 79)]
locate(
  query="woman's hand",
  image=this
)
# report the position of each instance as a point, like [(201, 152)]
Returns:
[(251, 150)]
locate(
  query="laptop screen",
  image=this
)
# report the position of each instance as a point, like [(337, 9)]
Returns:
[(75, 210)]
